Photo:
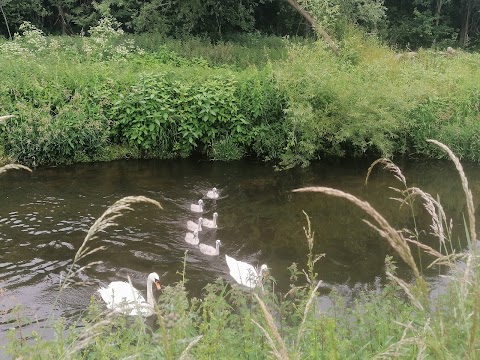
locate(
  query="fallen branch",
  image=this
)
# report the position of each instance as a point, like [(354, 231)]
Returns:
[(315, 25)]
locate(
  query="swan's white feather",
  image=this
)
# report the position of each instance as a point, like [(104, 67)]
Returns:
[(192, 226), (212, 224), (121, 296), (242, 272), (210, 250), (192, 238), (212, 194), (197, 207)]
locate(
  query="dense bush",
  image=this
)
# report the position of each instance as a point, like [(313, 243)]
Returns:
[(160, 104), (70, 135)]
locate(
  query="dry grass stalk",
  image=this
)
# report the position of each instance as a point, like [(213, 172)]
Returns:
[(105, 221), (394, 237), (313, 296), (68, 280), (271, 324), (434, 209), (426, 248), (473, 329), (6, 117), (390, 166), (394, 350), (14, 167), (469, 272), (448, 260), (269, 340), (405, 288), (466, 189), (89, 335), (397, 350), (184, 354), (468, 276)]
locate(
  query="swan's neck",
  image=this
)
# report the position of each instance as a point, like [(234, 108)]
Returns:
[(214, 221), (217, 248), (150, 292)]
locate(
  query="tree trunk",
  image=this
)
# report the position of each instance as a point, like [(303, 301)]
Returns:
[(61, 15), (465, 25), (438, 12), (6, 22), (315, 25)]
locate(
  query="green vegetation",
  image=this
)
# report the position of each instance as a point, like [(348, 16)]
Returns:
[(110, 95), (103, 97), (399, 320)]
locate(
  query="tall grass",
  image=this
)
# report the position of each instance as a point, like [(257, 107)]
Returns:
[(399, 319), (365, 101), (278, 99), (243, 51)]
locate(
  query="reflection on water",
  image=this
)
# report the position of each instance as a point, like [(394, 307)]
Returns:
[(44, 217)]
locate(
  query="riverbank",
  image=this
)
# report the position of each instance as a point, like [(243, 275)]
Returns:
[(103, 97)]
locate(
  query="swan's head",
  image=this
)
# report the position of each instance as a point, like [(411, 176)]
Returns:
[(215, 215), (264, 270), (214, 189), (218, 242), (200, 202), (153, 277), (200, 219)]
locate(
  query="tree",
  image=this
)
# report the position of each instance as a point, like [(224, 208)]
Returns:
[(71, 16), (14, 13), (3, 2), (470, 21), (415, 23)]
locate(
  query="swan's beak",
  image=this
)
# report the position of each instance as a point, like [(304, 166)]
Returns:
[(157, 284)]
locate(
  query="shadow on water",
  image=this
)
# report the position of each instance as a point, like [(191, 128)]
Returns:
[(44, 217)]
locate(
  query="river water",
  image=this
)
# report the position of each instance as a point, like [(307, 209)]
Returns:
[(44, 217)]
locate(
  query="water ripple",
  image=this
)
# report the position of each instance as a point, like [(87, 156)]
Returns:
[(44, 220)]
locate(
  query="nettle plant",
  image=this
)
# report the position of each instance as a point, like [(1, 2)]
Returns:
[(142, 113), (159, 114)]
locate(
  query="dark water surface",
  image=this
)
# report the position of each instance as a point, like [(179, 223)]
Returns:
[(44, 217)]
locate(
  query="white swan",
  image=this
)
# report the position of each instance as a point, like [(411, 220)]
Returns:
[(197, 208), (212, 224), (210, 250), (212, 194), (192, 238), (245, 274), (123, 297), (192, 226)]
